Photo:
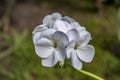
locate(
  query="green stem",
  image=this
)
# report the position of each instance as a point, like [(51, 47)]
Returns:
[(88, 74), (91, 75)]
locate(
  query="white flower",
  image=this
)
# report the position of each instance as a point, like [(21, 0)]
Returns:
[(78, 50), (54, 21), (50, 46), (60, 38), (48, 22)]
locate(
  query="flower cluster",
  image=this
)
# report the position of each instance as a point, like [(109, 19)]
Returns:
[(60, 38)]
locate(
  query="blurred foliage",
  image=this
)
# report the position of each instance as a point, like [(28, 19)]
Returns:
[(23, 64), (118, 24), (84, 4), (76, 3)]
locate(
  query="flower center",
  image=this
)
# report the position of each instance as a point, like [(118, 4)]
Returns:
[(76, 46), (55, 44)]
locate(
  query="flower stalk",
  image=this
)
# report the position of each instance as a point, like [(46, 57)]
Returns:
[(90, 74), (87, 73)]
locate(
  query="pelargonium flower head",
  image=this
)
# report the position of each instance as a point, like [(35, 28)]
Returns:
[(60, 38), (50, 46)]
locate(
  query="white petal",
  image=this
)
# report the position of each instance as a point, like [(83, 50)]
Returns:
[(39, 28), (44, 48), (36, 34), (85, 37), (44, 52), (51, 60), (36, 37), (86, 53), (43, 42), (76, 25), (47, 19), (70, 48), (50, 19), (48, 33), (61, 26), (60, 37), (73, 35), (68, 19), (76, 62), (56, 15), (61, 52)]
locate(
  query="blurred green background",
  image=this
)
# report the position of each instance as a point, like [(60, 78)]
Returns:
[(18, 18)]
